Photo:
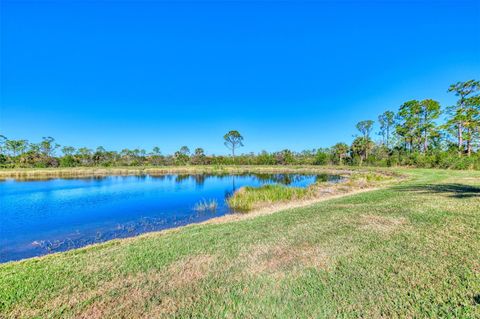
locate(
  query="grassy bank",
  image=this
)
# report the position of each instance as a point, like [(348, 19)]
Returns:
[(157, 170), (247, 198), (250, 198), (409, 250)]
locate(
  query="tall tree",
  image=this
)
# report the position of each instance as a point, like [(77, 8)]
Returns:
[(472, 123), (233, 140), (429, 112), (365, 128), (198, 156), (156, 157), (458, 113), (48, 146), (408, 124), (83, 151), (3, 142), (360, 147), (100, 149), (386, 120), (156, 151), (184, 150), (68, 150), (284, 157), (340, 151), (100, 155), (138, 152), (182, 155), (84, 154), (199, 152), (17, 147)]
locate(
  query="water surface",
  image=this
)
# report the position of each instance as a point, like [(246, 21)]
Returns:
[(44, 216)]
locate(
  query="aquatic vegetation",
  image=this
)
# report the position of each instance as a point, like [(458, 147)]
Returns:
[(206, 205), (247, 198)]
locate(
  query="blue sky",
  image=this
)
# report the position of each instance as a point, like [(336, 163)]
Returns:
[(295, 75)]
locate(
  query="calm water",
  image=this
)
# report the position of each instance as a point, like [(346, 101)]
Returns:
[(44, 216)]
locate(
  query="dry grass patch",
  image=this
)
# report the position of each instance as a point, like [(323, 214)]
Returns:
[(132, 296), (380, 224), (279, 258), (150, 294), (189, 271)]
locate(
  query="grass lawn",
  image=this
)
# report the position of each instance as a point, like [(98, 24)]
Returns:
[(409, 250)]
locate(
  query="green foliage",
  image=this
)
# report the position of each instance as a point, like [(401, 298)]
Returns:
[(68, 161), (233, 140), (68, 150), (198, 157), (365, 128), (386, 121), (284, 157), (463, 122), (17, 147), (363, 145), (181, 157), (322, 158), (412, 137), (247, 198), (265, 158), (339, 153)]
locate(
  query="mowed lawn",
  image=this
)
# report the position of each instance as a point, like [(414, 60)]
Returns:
[(411, 250)]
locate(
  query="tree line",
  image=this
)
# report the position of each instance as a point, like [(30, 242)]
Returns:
[(421, 134)]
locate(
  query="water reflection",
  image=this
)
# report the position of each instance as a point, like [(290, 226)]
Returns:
[(44, 216)]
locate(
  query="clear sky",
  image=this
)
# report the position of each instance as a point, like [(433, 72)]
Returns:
[(295, 75)]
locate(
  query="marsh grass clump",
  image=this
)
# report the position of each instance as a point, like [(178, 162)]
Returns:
[(248, 198), (367, 178), (206, 205)]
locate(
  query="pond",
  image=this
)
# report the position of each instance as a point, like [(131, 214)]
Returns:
[(45, 216)]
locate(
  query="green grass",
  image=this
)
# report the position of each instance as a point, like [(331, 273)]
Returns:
[(250, 198), (409, 250), (247, 198)]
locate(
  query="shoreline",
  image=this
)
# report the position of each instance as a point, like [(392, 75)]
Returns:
[(350, 186), (229, 218), (45, 173)]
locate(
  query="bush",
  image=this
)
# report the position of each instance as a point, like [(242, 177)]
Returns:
[(68, 161)]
